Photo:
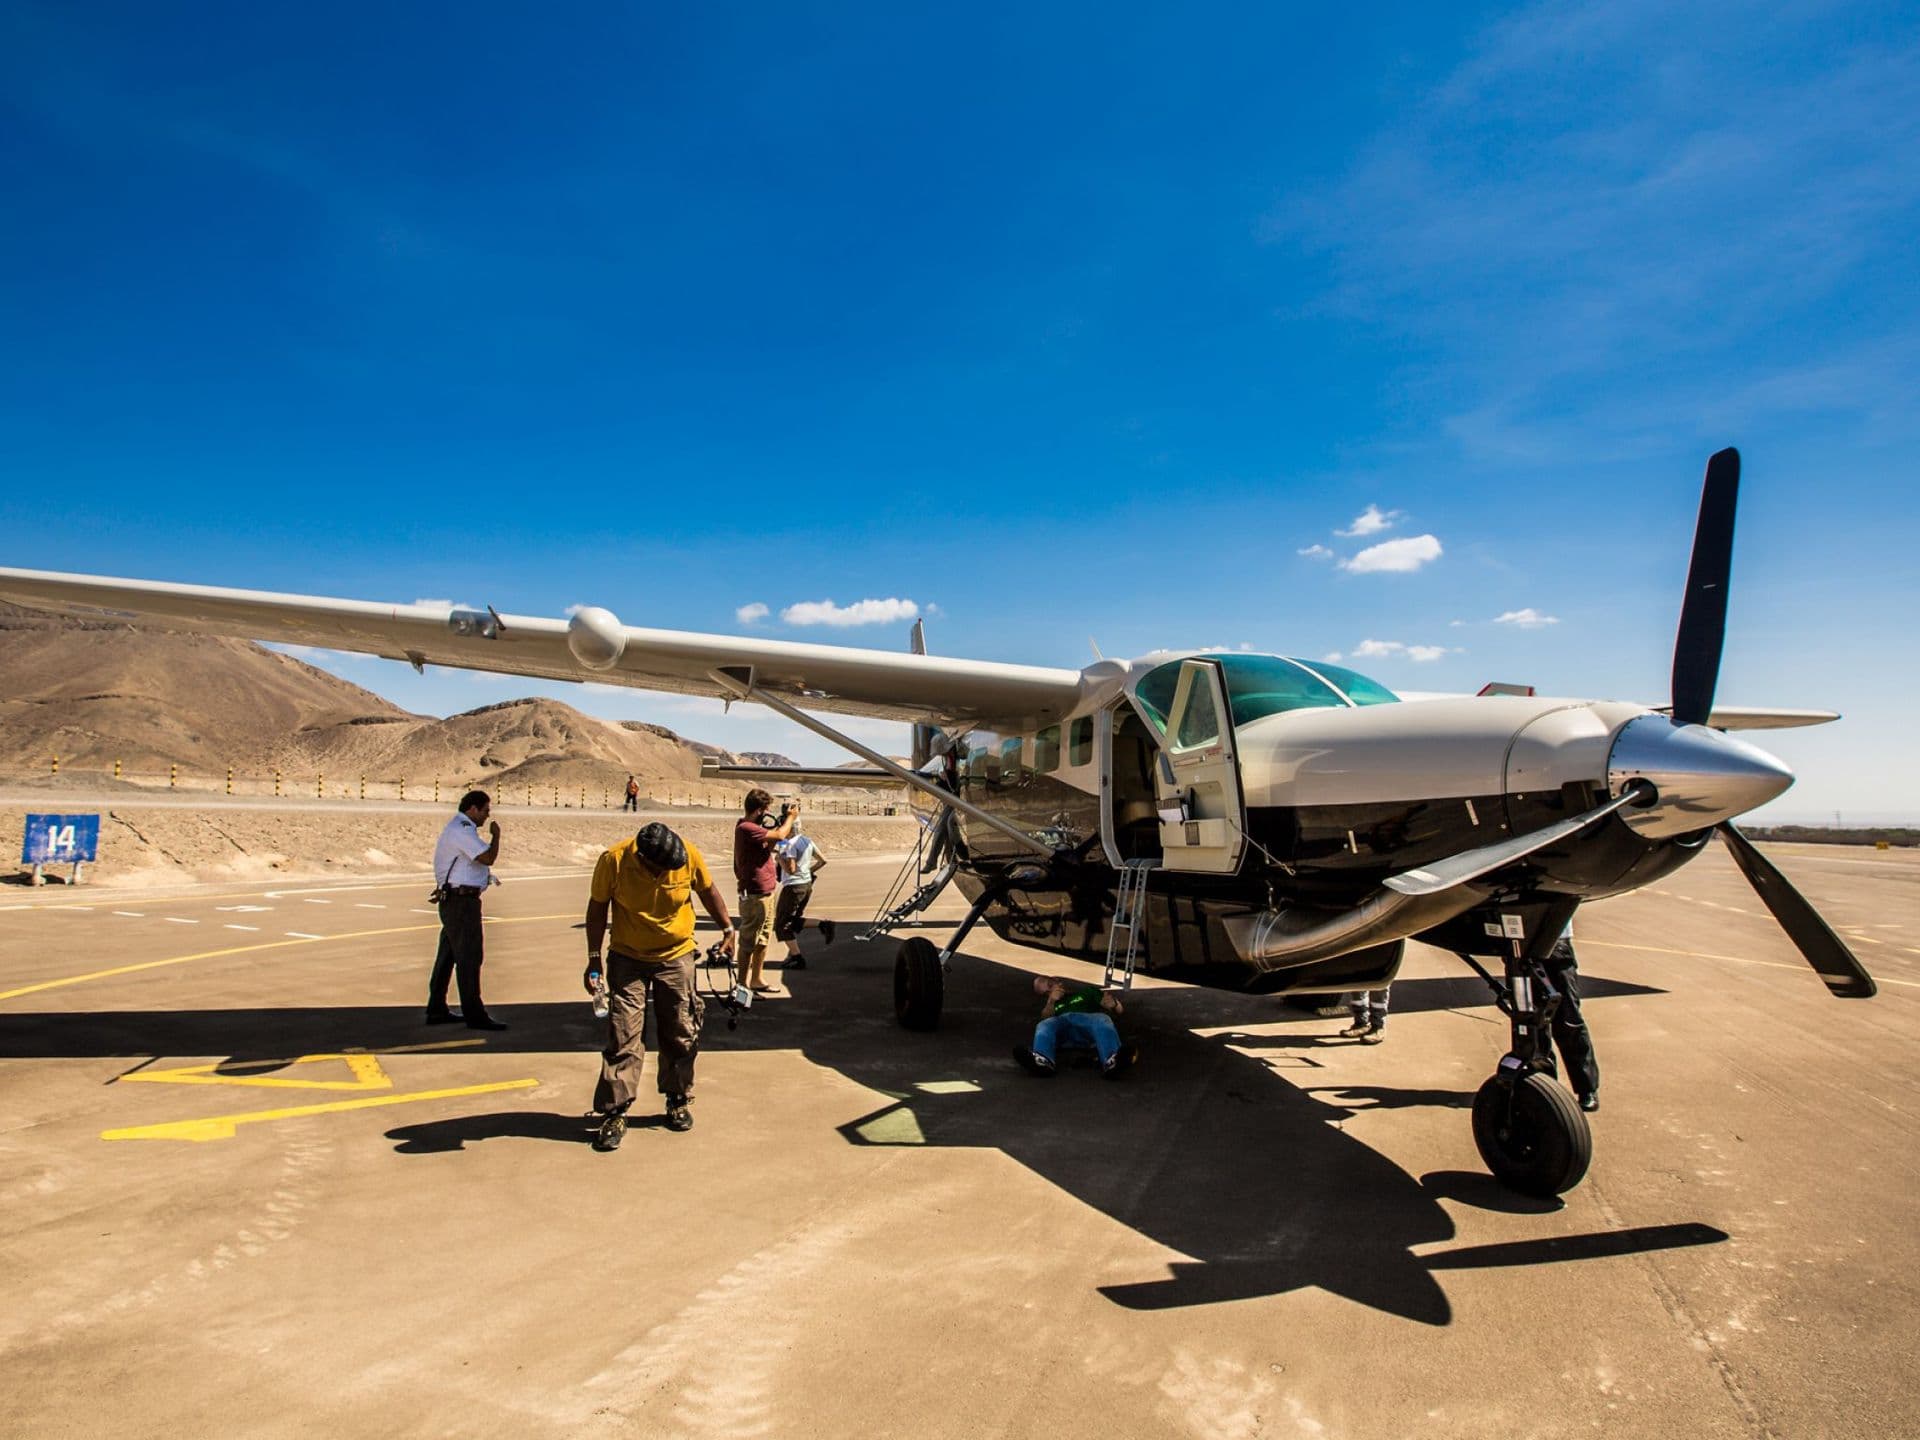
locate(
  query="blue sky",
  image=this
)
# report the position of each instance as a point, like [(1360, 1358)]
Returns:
[(1083, 323)]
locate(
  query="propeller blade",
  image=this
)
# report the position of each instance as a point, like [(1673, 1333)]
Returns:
[(1703, 611), (1825, 951)]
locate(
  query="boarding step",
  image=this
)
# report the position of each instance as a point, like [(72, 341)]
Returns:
[(1129, 905)]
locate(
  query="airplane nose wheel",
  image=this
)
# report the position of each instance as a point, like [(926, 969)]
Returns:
[(919, 985), (1531, 1133)]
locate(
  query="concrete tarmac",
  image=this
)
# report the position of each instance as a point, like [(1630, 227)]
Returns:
[(246, 1193)]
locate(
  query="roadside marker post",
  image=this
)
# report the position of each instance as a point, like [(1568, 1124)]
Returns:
[(320, 787), (173, 775), (229, 779), (276, 783), (363, 787), (116, 769)]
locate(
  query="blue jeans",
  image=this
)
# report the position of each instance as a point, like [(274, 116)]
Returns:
[(1077, 1027)]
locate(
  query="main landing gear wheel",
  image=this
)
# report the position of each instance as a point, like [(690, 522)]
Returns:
[(1531, 1134), (919, 985)]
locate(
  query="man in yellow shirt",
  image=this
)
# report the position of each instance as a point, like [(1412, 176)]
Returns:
[(648, 884)]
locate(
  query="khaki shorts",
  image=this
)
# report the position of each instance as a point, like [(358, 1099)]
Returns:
[(756, 923)]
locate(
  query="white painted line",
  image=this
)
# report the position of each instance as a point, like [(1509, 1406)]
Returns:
[(363, 906), (254, 928), (70, 907), (132, 914), (176, 920), (302, 935), (316, 902), (242, 909)]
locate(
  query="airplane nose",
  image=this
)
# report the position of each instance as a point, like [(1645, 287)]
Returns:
[(1700, 776)]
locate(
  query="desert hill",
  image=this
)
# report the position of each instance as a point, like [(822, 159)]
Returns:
[(96, 692)]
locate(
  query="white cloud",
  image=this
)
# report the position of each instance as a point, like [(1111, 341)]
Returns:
[(1315, 552), (1333, 657), (1370, 521), (1396, 649), (933, 612), (748, 614), (1406, 554), (1527, 619), (861, 612), (443, 604)]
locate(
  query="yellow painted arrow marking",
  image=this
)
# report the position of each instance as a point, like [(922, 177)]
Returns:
[(222, 1127)]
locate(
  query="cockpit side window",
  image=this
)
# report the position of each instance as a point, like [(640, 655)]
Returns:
[(1261, 685)]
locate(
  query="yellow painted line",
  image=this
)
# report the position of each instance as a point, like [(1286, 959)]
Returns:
[(366, 1069), (185, 897), (1736, 959), (367, 1075), (253, 949), (222, 1127)]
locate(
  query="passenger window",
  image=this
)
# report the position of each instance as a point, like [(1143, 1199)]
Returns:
[(977, 766), (1046, 751), (1010, 766), (1080, 741)]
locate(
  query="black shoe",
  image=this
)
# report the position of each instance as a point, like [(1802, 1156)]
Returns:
[(1122, 1061), (444, 1017), (679, 1117), (1033, 1062), (486, 1022), (613, 1130), (797, 962), (1590, 1102), (827, 928)]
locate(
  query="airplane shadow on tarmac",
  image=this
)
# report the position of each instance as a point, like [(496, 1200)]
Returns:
[(1202, 1148)]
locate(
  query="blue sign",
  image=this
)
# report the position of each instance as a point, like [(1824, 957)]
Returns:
[(60, 839)]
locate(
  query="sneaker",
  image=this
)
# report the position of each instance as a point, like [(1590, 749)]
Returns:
[(613, 1129), (797, 962), (1361, 1024), (679, 1117), (1375, 1034), (1121, 1061), (827, 929), (1033, 1062), (1590, 1102)]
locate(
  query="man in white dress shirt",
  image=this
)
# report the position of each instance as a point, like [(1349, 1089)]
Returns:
[(462, 863)]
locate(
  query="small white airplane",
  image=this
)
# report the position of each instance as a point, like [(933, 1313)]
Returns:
[(1246, 822)]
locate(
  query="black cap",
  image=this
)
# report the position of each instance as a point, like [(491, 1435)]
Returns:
[(660, 847)]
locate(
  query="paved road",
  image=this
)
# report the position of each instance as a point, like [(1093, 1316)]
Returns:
[(246, 1194)]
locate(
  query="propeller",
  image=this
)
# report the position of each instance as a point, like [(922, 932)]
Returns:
[(1703, 611), (1696, 670)]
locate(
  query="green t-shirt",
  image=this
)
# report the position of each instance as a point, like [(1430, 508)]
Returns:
[(1081, 998)]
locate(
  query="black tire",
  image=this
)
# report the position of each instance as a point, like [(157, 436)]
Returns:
[(1531, 1134), (919, 985)]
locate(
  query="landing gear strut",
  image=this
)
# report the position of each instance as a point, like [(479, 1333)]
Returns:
[(1527, 1126)]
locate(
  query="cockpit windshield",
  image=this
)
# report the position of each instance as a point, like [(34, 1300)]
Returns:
[(1260, 685)]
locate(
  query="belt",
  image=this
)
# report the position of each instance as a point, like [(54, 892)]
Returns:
[(473, 890)]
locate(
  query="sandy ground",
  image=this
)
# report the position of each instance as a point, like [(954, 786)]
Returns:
[(161, 840), (247, 1194)]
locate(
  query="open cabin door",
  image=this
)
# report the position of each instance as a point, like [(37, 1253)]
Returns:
[(1203, 822)]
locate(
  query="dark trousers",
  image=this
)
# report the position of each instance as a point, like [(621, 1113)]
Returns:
[(677, 1012), (1569, 1027), (461, 951), (633, 804)]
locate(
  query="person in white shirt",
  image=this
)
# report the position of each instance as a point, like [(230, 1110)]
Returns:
[(462, 870), (799, 860)]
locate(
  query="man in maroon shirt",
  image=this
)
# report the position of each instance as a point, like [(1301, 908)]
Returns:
[(758, 875)]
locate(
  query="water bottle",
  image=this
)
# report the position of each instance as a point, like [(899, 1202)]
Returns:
[(602, 1002)]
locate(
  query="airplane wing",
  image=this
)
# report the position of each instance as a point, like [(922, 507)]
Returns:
[(711, 769), (592, 645), (1721, 717)]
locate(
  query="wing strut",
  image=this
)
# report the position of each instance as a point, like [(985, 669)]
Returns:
[(737, 681)]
